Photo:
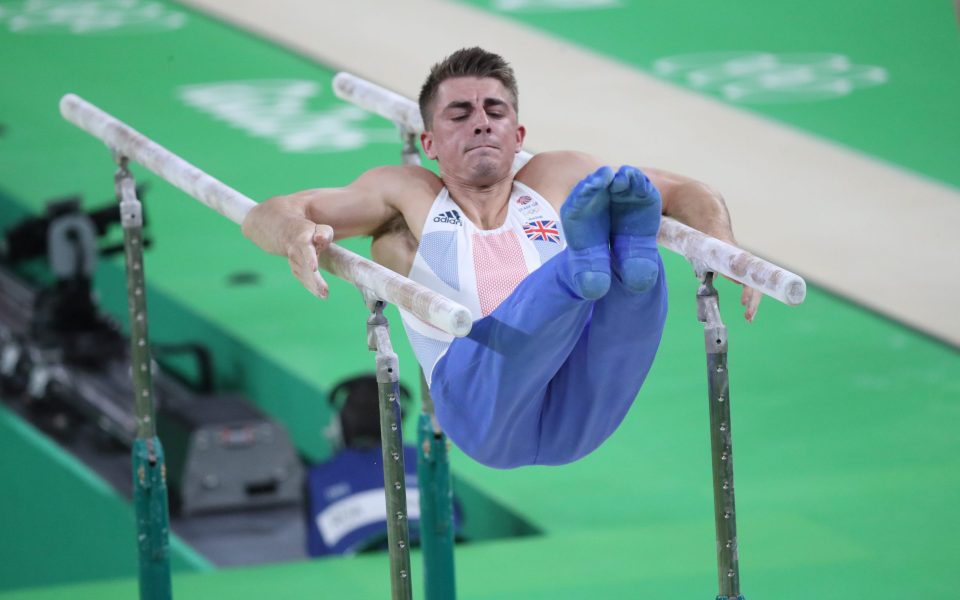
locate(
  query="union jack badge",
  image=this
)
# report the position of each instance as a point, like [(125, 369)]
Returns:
[(542, 230)]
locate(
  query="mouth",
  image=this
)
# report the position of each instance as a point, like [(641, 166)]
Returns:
[(481, 147)]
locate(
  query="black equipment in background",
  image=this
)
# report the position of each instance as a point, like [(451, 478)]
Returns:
[(356, 420), (65, 365)]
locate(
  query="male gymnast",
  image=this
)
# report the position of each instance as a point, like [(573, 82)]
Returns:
[(558, 263)]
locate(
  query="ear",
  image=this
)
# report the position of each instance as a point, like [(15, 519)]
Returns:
[(426, 140), (521, 134)]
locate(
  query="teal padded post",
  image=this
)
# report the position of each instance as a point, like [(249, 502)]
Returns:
[(153, 529), (436, 510)]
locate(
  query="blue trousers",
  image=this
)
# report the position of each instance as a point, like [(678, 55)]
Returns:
[(548, 376)]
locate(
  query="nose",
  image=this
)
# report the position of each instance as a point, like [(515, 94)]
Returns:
[(481, 123)]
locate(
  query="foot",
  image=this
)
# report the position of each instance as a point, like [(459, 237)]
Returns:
[(635, 220), (586, 225)]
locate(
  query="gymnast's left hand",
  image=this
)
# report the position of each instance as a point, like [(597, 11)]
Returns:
[(749, 297), (750, 300), (302, 255), (280, 227)]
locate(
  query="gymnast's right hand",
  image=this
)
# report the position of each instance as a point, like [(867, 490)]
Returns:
[(280, 227)]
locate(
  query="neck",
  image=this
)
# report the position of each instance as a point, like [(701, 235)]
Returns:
[(484, 205)]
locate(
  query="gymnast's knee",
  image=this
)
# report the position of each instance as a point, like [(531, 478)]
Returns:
[(562, 450), (499, 456), (556, 458), (523, 451)]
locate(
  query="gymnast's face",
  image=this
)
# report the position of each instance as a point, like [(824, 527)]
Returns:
[(475, 133)]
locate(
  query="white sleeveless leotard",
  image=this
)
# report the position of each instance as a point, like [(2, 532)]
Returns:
[(478, 268)]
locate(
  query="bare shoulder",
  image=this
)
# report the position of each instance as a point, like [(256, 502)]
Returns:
[(400, 182), (411, 191), (554, 174), (407, 189)]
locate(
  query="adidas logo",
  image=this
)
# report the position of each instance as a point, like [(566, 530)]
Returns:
[(451, 216)]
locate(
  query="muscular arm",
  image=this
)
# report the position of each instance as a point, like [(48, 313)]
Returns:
[(698, 205), (302, 224), (692, 203)]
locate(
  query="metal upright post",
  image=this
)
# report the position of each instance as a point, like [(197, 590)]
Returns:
[(721, 440), (388, 378), (149, 468), (436, 504)]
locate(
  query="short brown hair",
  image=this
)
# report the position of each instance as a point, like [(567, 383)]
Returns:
[(466, 62)]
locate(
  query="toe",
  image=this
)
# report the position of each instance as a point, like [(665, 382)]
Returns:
[(641, 185), (630, 185), (621, 182), (585, 213), (601, 178), (589, 195)]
